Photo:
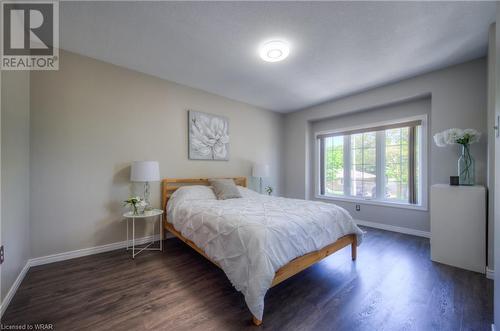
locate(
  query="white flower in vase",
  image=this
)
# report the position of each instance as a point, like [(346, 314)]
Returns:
[(141, 206), (466, 171), (439, 139), (452, 135), (137, 203)]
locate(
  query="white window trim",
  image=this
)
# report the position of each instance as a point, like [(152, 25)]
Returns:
[(361, 201), (423, 173)]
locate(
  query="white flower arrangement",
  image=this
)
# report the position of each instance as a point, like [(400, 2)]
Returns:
[(138, 204), (456, 136), (269, 190)]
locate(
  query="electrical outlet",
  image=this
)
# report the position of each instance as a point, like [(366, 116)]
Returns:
[(358, 207), (1, 254)]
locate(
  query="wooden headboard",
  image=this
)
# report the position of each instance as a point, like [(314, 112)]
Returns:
[(169, 185)]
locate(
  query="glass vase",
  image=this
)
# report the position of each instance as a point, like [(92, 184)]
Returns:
[(466, 168)]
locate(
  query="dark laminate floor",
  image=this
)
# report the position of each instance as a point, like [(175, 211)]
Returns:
[(392, 286)]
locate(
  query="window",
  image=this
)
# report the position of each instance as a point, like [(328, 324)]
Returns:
[(381, 163), (363, 165)]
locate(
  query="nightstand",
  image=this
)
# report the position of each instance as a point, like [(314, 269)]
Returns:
[(458, 226), (148, 216)]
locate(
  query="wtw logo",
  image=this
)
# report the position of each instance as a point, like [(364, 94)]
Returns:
[(30, 35)]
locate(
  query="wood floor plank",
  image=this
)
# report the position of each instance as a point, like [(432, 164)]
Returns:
[(393, 285)]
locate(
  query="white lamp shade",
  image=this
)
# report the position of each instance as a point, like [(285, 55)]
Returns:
[(260, 170), (145, 171)]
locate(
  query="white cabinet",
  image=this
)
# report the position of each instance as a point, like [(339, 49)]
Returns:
[(458, 226)]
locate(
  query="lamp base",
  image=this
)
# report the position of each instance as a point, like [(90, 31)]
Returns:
[(147, 196)]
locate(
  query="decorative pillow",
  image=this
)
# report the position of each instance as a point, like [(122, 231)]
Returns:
[(224, 189)]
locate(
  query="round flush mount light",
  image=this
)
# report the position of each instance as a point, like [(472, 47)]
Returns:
[(274, 50)]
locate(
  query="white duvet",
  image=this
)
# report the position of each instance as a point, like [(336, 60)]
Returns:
[(252, 237)]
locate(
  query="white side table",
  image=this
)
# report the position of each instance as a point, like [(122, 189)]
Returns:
[(150, 215)]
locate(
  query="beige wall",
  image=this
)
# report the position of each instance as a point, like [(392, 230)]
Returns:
[(458, 99), (90, 119), (15, 117)]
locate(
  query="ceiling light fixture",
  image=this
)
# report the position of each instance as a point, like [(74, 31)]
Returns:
[(274, 50)]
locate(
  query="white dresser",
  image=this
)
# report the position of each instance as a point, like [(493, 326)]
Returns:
[(458, 226)]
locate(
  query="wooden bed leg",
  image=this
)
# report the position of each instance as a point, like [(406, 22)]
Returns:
[(354, 247), (256, 321)]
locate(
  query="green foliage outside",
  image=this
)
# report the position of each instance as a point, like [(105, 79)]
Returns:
[(396, 160), (334, 168), (396, 155)]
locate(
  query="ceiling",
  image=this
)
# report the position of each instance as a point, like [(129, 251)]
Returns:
[(338, 48)]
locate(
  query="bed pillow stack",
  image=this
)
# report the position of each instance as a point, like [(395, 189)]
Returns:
[(224, 189)]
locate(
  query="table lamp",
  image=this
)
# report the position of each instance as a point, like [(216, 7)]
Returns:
[(260, 171), (145, 171)]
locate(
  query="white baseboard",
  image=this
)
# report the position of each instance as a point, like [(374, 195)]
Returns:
[(88, 251), (13, 288), (394, 228), (490, 273), (67, 256)]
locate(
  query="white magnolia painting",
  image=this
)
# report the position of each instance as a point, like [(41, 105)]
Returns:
[(208, 137)]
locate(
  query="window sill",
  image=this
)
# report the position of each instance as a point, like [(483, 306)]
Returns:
[(372, 202)]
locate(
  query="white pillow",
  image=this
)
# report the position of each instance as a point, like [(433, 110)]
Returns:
[(248, 193), (194, 192)]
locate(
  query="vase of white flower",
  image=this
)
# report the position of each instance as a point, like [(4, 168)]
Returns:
[(466, 164), (269, 190), (138, 205)]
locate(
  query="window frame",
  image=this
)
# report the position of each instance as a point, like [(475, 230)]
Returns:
[(422, 192)]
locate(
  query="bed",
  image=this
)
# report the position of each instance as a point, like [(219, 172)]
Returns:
[(257, 240)]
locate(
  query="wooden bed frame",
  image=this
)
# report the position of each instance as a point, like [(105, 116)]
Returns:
[(169, 185)]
